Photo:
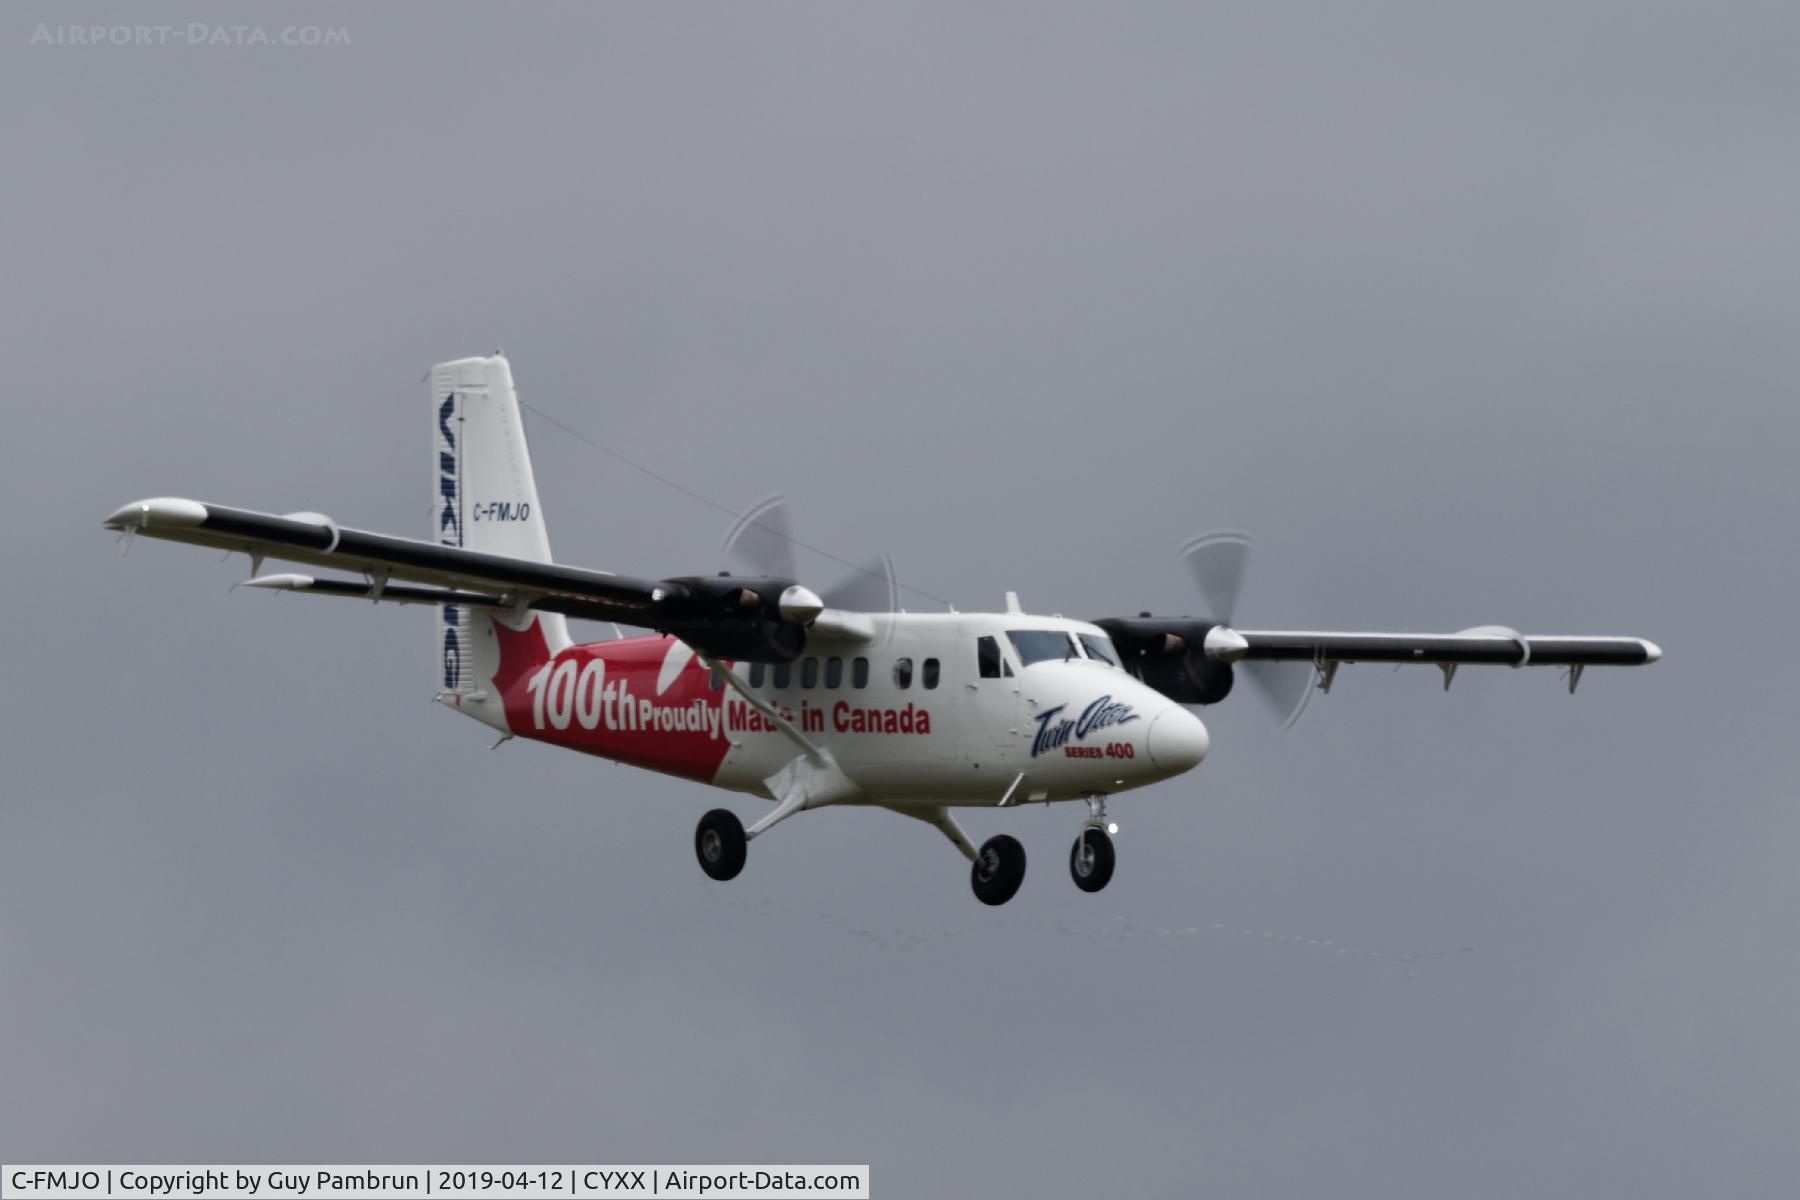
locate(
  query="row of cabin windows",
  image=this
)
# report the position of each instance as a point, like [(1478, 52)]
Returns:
[(781, 675), (1031, 645)]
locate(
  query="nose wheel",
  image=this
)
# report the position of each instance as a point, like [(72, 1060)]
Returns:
[(1091, 859), (719, 844), (998, 870)]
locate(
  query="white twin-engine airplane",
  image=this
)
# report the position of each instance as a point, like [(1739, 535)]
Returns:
[(758, 685)]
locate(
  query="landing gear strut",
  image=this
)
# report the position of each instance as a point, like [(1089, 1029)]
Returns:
[(999, 869), (719, 844)]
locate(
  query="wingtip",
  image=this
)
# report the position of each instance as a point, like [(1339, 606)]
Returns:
[(162, 510), (1652, 651)]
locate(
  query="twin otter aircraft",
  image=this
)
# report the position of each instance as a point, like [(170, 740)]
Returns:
[(758, 685)]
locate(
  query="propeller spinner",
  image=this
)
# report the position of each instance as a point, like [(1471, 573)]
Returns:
[(1219, 561)]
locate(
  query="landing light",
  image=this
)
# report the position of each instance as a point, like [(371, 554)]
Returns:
[(1112, 827)]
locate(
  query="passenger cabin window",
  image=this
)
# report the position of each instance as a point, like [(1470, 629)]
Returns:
[(903, 673), (1040, 645), (715, 679), (834, 672), (784, 674), (859, 672), (809, 672), (1100, 649), (928, 672), (758, 673), (987, 658)]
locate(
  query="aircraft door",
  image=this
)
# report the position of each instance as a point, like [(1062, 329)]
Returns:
[(991, 704)]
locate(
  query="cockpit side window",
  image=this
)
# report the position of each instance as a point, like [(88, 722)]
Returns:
[(987, 657), (1040, 645), (1100, 649)]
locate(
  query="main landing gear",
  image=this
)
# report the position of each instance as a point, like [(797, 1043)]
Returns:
[(1091, 857), (998, 870), (719, 844)]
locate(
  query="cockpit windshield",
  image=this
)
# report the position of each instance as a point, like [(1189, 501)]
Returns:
[(1039, 645), (1100, 648)]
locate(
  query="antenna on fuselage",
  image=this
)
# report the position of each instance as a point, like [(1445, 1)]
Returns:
[(881, 572)]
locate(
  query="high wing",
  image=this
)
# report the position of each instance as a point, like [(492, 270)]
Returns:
[(1197, 660), (1487, 645), (318, 541), (737, 618), (1191, 661)]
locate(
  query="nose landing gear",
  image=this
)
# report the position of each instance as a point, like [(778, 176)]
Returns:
[(1091, 857), (1091, 860)]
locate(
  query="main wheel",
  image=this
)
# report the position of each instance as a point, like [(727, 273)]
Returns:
[(998, 869), (1091, 859), (719, 844)]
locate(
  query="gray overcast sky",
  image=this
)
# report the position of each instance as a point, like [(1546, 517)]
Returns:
[(1471, 312)]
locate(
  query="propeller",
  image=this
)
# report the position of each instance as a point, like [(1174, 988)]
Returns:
[(1218, 561), (762, 540)]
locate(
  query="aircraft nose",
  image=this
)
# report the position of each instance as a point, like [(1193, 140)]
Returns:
[(1177, 741)]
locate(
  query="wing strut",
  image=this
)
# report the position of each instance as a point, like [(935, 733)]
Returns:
[(941, 820)]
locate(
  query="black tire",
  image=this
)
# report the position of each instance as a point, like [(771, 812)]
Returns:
[(719, 844), (998, 869), (1091, 860)]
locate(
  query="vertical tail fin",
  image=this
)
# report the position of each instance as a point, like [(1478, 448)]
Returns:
[(486, 499)]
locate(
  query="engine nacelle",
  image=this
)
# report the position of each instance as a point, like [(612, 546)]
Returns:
[(723, 616), (1169, 654)]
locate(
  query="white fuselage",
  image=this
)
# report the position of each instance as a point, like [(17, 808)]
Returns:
[(925, 710)]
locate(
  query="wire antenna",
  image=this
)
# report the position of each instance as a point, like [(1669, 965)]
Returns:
[(691, 494)]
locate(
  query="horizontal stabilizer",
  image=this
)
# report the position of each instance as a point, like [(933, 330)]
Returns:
[(359, 589)]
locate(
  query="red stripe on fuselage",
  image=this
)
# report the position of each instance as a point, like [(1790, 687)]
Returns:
[(602, 698)]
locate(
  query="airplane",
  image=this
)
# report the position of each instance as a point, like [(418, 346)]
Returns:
[(759, 685)]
